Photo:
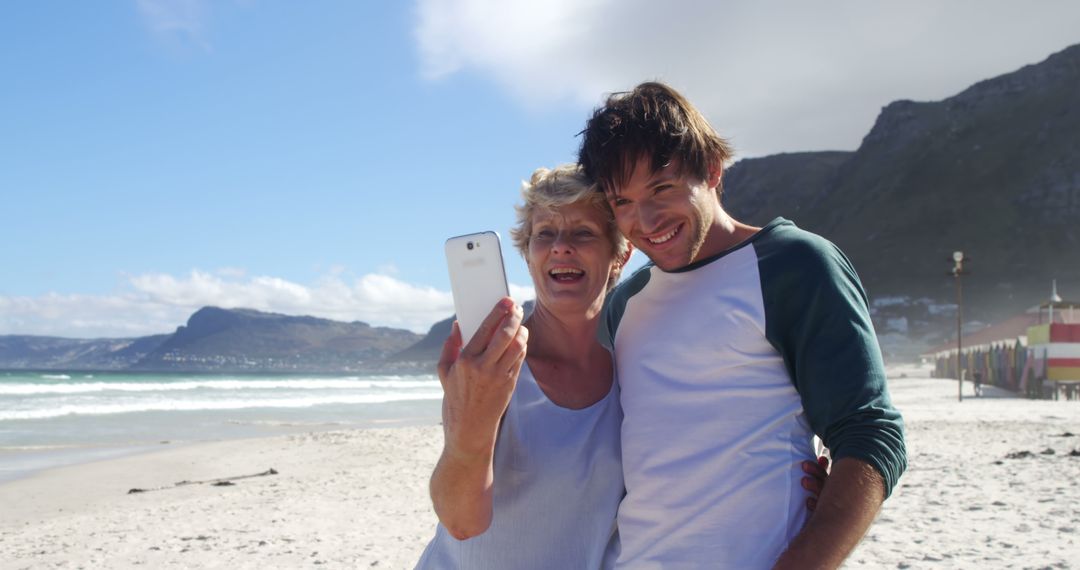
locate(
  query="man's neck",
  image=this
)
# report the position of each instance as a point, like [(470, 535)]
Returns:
[(724, 233)]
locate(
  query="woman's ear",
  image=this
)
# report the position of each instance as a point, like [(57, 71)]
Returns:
[(626, 256), (619, 264)]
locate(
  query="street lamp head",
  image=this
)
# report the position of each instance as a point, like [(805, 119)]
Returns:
[(958, 256)]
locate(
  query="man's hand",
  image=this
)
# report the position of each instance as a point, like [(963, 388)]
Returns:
[(845, 510)]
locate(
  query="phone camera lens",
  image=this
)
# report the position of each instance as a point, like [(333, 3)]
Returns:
[(470, 245)]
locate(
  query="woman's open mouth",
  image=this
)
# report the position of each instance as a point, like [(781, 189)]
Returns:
[(566, 274)]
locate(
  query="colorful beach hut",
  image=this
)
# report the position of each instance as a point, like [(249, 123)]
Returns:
[(1036, 352), (1054, 349)]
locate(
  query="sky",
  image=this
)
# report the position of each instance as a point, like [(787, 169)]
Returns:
[(157, 156)]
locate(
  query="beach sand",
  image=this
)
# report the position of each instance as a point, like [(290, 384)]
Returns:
[(358, 499), (350, 499), (992, 482)]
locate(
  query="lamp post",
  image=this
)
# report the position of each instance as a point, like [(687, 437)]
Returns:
[(958, 270)]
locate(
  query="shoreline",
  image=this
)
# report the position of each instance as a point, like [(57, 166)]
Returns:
[(21, 462)]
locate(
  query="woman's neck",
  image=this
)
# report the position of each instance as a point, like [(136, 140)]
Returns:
[(567, 362), (561, 337)]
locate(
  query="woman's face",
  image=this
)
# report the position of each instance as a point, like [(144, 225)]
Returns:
[(571, 258)]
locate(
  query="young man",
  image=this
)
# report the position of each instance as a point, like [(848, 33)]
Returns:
[(733, 348)]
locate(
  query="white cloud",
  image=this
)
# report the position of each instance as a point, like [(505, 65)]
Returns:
[(157, 303), (775, 76), (88, 316), (522, 293)]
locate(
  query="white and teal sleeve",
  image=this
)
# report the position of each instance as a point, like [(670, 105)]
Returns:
[(817, 317)]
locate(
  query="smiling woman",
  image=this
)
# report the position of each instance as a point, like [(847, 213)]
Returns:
[(551, 189), (547, 494), (570, 259)]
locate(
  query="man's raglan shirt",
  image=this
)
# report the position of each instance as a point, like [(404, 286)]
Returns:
[(727, 369)]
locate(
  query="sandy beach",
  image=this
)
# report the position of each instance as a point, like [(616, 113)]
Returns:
[(992, 483), (353, 499)]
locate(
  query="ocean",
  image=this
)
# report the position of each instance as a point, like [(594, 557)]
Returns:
[(54, 418)]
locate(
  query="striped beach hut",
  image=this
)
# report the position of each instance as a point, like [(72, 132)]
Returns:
[(1054, 347), (1036, 352)]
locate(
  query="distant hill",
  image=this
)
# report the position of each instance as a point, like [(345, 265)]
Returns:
[(429, 348), (993, 171), (244, 339), (43, 352), (224, 340)]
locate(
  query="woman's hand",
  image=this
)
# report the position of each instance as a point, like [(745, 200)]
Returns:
[(478, 380), (817, 474)]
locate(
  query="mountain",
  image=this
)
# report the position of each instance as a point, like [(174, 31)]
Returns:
[(244, 339), (993, 171), (225, 340), (42, 352), (429, 348)]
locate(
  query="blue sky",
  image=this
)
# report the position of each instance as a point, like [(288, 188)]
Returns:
[(310, 158)]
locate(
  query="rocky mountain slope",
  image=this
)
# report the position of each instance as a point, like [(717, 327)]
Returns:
[(223, 340), (993, 171)]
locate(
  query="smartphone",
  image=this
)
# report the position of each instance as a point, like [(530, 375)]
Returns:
[(477, 278)]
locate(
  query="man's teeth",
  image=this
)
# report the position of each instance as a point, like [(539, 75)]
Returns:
[(664, 237), (566, 270)]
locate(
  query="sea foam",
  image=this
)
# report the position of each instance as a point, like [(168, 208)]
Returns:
[(200, 404)]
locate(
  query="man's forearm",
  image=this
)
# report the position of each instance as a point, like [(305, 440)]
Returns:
[(851, 499)]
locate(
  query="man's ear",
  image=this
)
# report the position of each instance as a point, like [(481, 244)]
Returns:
[(716, 175)]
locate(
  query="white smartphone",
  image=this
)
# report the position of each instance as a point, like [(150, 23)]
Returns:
[(477, 278)]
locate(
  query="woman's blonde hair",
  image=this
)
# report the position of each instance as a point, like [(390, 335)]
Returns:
[(552, 188)]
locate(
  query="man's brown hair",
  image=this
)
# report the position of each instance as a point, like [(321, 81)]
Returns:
[(655, 122)]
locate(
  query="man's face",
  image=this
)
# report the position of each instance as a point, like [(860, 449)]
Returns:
[(666, 214)]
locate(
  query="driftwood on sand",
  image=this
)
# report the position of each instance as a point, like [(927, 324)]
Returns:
[(223, 482)]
